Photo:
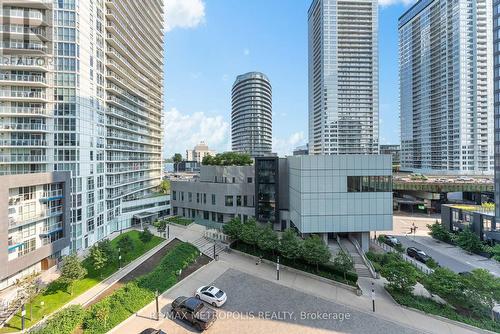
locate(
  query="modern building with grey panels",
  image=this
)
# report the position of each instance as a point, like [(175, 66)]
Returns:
[(322, 194), (34, 223), (446, 87), (252, 115), (341, 194), (343, 77)]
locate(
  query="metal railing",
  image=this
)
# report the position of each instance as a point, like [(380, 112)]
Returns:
[(420, 266), (363, 257)]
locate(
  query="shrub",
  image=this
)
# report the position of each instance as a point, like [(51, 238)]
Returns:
[(447, 284), (64, 321), (146, 236), (268, 239), (431, 263), (469, 241), (437, 231)]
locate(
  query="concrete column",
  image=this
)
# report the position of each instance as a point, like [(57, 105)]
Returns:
[(325, 237), (365, 241)]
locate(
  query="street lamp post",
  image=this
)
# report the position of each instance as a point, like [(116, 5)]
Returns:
[(278, 269), (168, 231), (373, 297), (157, 306), (119, 259), (23, 316)]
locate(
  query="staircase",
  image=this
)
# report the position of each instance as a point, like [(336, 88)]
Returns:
[(359, 265), (206, 246)]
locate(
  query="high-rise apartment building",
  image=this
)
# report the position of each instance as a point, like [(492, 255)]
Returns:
[(496, 56), (343, 77), (81, 91), (200, 151), (446, 87), (252, 116)]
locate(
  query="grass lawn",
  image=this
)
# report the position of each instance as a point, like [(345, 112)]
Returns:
[(179, 221), (56, 295)]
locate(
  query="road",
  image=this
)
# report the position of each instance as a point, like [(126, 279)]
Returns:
[(443, 259)]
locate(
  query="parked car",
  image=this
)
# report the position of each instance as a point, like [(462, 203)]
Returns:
[(417, 254), (193, 311), (212, 295), (152, 331), (391, 240)]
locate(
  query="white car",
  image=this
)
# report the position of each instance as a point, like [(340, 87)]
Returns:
[(211, 295)]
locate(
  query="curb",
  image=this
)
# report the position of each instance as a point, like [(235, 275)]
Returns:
[(297, 271), (164, 293)]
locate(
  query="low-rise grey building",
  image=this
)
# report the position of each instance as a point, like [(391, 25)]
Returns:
[(329, 195), (34, 223), (476, 218)]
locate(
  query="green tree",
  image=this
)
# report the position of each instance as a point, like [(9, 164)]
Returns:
[(228, 159), (402, 276), (290, 245), (108, 250), (344, 262), (71, 271), (268, 240), (315, 251), (250, 232), (176, 158), (165, 187), (448, 285), (437, 231), (125, 244), (483, 289), (97, 257), (469, 241), (146, 235), (233, 228)]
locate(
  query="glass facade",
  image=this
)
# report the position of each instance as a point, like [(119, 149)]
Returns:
[(446, 87), (267, 189), (343, 77), (369, 184)]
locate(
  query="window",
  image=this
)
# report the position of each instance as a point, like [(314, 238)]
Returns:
[(197, 197), (190, 197), (213, 199), (204, 198), (369, 183), (238, 200), (206, 215), (234, 179), (245, 200), (174, 195), (214, 216), (249, 180), (229, 201)]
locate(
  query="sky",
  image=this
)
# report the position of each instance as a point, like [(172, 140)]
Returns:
[(209, 42)]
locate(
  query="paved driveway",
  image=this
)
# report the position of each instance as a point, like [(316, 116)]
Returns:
[(444, 260), (259, 306)]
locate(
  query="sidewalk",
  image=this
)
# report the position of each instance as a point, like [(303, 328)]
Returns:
[(459, 254)]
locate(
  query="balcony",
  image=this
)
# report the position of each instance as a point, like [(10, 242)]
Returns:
[(23, 127), (23, 111), (16, 220), (22, 158), (23, 80), (23, 143), (24, 47), (32, 96)]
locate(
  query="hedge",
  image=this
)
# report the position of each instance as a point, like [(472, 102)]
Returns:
[(112, 310), (429, 306), (325, 270), (64, 321)]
